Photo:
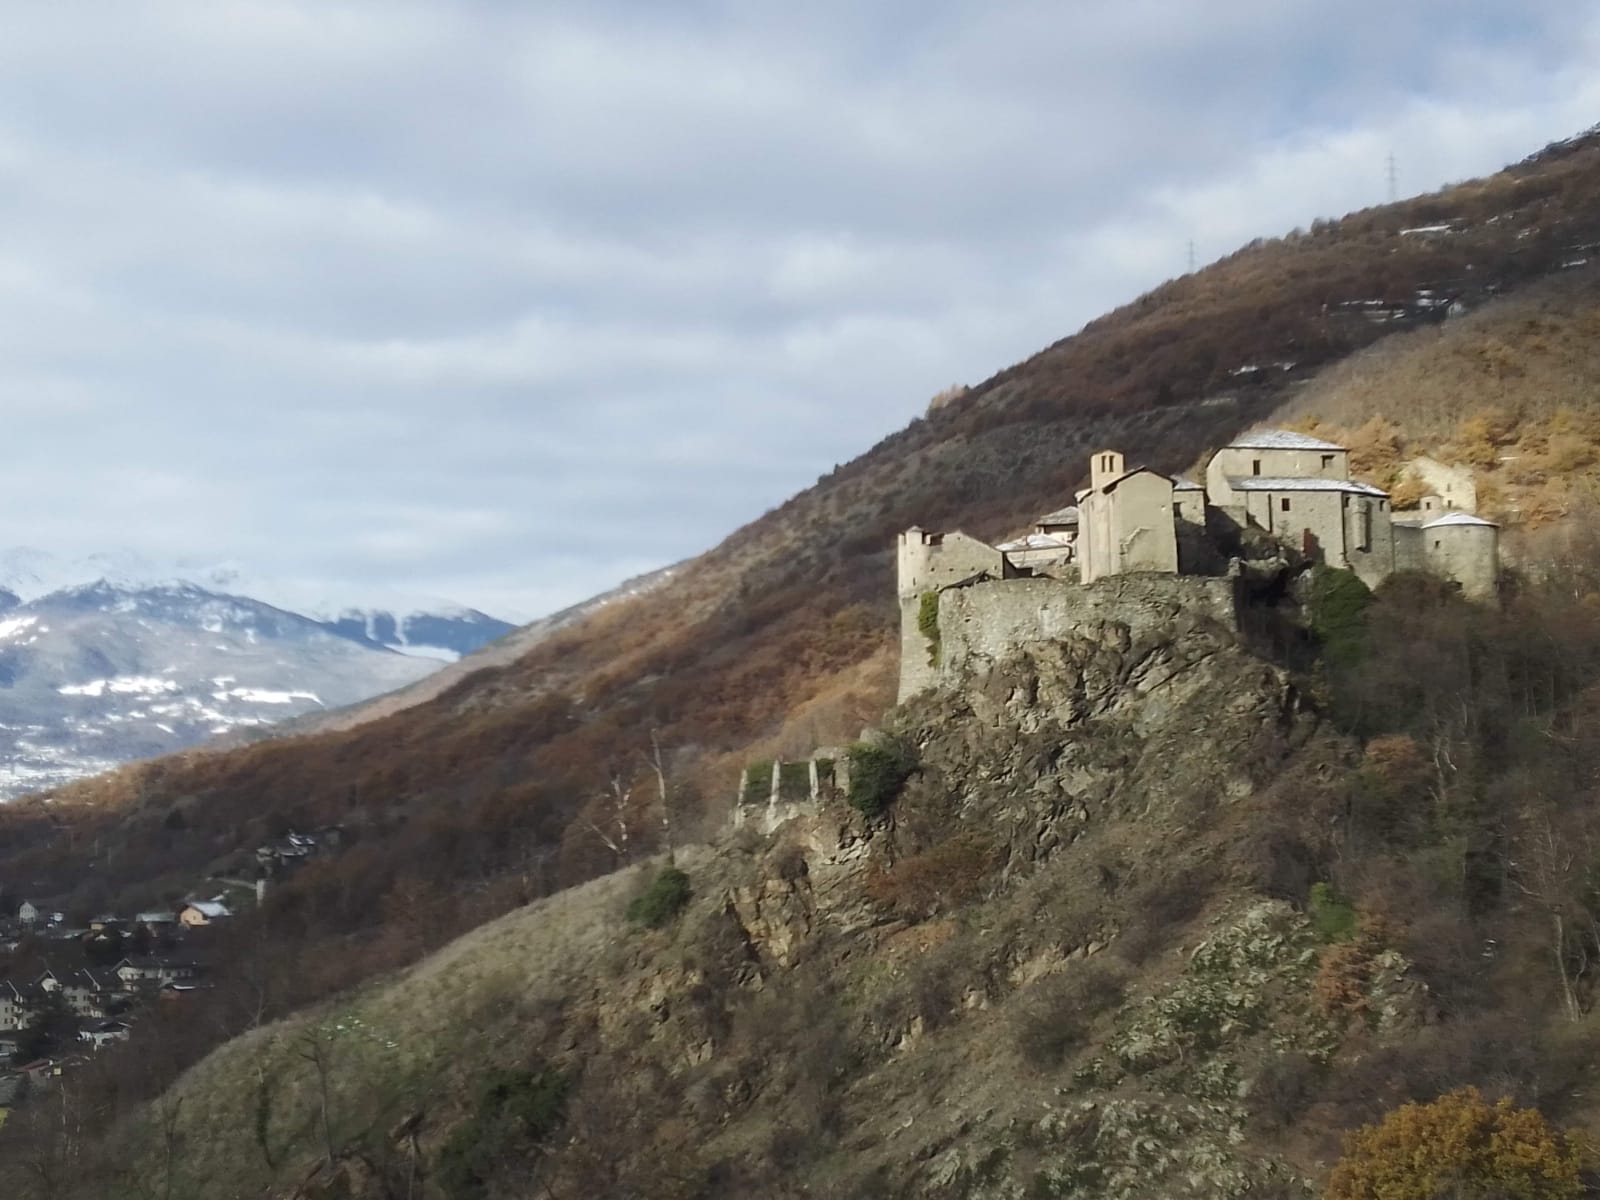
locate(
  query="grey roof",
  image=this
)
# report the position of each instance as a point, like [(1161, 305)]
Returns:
[(1061, 516), (1035, 541), (1271, 483), (1458, 518), (1281, 439), (1180, 484)]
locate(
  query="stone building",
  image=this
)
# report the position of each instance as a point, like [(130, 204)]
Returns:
[(1272, 454), (1298, 488), (1451, 487), (1457, 546), (1107, 557), (1125, 520)]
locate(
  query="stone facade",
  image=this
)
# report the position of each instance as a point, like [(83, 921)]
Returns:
[(1272, 453), (1115, 558), (985, 622), (1466, 550), (928, 562), (1126, 521)]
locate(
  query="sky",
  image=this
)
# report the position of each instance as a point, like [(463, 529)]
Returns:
[(507, 301)]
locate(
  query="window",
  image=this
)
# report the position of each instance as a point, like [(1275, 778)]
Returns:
[(1255, 466), (1283, 504), (1364, 531), (1327, 461)]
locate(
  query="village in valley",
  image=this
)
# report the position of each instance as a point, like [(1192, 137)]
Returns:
[(72, 984)]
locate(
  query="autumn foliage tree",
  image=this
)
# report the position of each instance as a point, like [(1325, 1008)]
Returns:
[(1458, 1146)]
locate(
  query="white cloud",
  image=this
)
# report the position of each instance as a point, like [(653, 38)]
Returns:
[(407, 294)]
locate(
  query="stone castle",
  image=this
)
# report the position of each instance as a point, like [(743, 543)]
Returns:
[(1140, 546)]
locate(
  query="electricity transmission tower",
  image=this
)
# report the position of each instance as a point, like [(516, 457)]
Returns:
[(1394, 181)]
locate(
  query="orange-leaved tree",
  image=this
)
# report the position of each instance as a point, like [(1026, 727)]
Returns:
[(1459, 1146)]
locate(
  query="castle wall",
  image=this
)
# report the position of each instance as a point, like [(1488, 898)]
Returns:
[(1408, 552), (916, 672), (926, 563), (1369, 538), (985, 622)]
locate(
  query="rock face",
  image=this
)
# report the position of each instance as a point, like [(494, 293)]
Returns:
[(1037, 974), (1101, 724)]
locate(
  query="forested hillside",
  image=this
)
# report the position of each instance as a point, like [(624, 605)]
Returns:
[(517, 782)]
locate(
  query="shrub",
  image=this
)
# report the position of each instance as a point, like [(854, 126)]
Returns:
[(664, 899), (1336, 611), (928, 623), (949, 874), (1460, 1146), (757, 782), (1056, 1014), (794, 781), (877, 773), (514, 1112), (1333, 919)]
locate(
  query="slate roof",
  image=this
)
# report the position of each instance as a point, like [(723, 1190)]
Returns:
[(1062, 516), (1180, 484), (1271, 483), (1036, 541), (1458, 518), (1281, 439)]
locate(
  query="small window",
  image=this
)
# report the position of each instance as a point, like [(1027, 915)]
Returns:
[(1283, 504), (1436, 543), (1255, 466), (1327, 461)]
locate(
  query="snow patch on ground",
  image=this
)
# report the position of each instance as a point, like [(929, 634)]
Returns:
[(252, 695), (121, 685)]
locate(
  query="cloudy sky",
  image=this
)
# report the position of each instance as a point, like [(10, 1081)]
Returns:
[(508, 301)]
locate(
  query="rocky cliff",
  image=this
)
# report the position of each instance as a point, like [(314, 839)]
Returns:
[(1060, 964)]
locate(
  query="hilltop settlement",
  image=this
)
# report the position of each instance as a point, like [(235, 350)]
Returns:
[(1138, 544)]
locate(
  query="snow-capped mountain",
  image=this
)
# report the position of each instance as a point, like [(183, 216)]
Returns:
[(445, 634), (94, 675), (422, 626)]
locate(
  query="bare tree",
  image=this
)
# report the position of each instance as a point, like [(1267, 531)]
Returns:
[(617, 796), (315, 1046), (663, 792)]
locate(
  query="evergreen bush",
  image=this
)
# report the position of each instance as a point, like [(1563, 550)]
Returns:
[(877, 773), (666, 897), (1331, 917), (757, 782), (1336, 611), (514, 1112)]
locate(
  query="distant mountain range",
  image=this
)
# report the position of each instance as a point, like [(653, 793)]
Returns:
[(126, 664), (422, 626)]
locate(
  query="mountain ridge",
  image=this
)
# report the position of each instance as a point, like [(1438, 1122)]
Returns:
[(488, 794)]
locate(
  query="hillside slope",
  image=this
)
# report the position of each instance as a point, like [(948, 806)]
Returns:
[(505, 786), (1082, 956)]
